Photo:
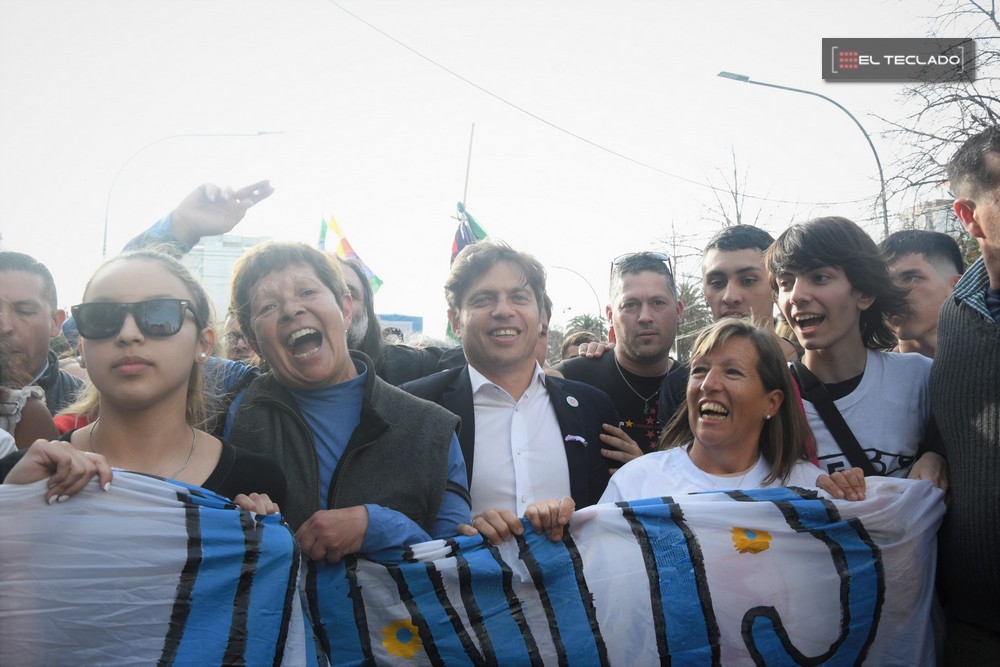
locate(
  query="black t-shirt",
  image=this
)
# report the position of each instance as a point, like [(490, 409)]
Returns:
[(635, 397), (238, 471)]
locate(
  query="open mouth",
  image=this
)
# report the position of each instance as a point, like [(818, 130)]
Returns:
[(304, 343), (808, 322), (712, 411)]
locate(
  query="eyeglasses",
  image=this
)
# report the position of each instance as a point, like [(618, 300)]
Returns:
[(155, 317), (649, 256)]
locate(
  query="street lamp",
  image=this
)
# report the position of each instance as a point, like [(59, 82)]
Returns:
[(881, 177), (107, 205), (600, 309)]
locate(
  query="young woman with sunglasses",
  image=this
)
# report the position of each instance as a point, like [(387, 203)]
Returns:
[(146, 335)]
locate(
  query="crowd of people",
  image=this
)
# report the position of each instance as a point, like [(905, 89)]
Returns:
[(831, 359)]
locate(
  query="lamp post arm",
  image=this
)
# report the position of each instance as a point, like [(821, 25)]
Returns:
[(878, 162), (600, 313), (107, 204)]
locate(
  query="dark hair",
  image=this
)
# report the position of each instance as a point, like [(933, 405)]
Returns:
[(740, 237), (576, 339), (266, 258), (18, 261), (967, 170), (783, 437), (637, 263), (372, 343), (476, 259), (934, 246), (836, 241), (547, 307)]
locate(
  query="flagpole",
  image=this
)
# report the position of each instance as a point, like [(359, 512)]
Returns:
[(468, 164)]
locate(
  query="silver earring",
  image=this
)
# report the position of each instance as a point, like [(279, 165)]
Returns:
[(767, 416), (202, 357)]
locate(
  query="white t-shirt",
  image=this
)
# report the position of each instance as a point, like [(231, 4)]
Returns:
[(887, 413), (672, 473)]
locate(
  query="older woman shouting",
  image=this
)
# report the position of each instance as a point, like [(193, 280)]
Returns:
[(368, 465)]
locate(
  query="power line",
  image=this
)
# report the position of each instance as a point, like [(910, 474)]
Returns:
[(570, 133)]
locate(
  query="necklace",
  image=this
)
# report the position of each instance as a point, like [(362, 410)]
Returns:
[(173, 475), (742, 474), (645, 399)]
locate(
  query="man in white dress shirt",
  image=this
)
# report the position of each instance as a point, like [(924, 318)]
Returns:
[(526, 437)]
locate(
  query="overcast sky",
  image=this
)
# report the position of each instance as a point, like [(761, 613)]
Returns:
[(586, 113)]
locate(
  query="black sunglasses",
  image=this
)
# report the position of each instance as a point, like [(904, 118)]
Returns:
[(656, 256), (155, 317)]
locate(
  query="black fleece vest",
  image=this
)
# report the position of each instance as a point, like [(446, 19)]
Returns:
[(397, 457)]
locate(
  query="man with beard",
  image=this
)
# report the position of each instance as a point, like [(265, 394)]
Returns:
[(644, 313)]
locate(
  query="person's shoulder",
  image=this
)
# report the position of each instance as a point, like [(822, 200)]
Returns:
[(655, 464), (584, 369), (69, 379), (431, 386), (403, 399), (902, 362)]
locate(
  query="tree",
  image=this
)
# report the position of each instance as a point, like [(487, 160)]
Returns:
[(731, 198), (696, 317), (591, 323), (554, 352), (945, 113)]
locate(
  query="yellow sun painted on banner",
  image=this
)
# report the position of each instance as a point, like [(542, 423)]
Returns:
[(751, 541), (400, 639)]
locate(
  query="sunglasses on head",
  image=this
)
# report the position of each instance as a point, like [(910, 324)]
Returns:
[(155, 317), (656, 256)]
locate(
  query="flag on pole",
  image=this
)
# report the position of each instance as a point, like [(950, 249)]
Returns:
[(345, 251), (468, 231)]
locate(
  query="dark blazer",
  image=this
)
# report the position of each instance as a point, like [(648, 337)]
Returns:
[(580, 410)]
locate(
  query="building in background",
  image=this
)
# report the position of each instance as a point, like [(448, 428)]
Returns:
[(211, 262)]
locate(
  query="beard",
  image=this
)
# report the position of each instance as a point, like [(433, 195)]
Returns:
[(356, 332)]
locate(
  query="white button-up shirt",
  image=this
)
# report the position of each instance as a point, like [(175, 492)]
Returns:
[(520, 456)]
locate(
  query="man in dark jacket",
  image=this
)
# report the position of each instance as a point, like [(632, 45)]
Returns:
[(526, 437)]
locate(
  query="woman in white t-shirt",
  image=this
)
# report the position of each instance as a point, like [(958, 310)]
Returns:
[(740, 427)]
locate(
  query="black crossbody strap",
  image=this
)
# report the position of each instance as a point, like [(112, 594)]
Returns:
[(815, 392)]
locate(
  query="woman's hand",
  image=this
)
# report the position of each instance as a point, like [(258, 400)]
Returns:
[(258, 503), (848, 484), (67, 469)]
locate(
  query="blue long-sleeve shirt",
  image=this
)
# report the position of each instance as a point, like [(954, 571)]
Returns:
[(332, 414)]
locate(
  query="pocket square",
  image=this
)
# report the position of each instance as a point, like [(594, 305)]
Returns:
[(577, 438)]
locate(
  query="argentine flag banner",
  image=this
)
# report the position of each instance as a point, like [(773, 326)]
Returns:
[(151, 572), (155, 572)]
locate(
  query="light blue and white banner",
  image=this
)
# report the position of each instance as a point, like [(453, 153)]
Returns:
[(155, 573), (150, 572)]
